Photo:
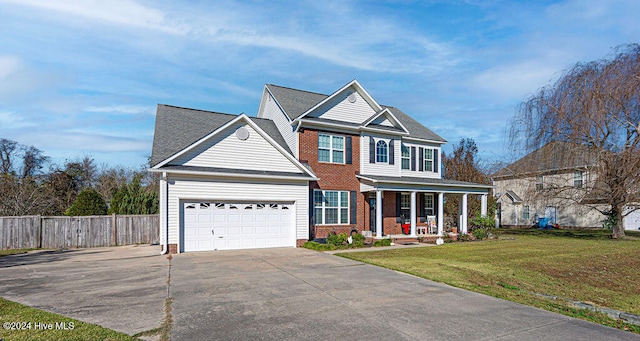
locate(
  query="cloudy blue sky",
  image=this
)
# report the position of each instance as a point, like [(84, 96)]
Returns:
[(83, 77)]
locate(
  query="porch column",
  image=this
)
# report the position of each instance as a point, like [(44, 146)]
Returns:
[(483, 205), (463, 217), (378, 213), (413, 214), (440, 213)]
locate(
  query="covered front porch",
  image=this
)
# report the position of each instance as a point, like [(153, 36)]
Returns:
[(415, 206)]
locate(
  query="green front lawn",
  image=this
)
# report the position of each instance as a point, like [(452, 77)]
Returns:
[(574, 265), (33, 324)]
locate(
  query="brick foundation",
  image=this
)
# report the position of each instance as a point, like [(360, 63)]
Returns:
[(173, 248), (300, 242)]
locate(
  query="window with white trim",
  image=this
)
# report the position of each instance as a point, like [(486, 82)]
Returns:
[(525, 212), (382, 152), (578, 179), (429, 208), (331, 207), (330, 148), (428, 160), (406, 157), (540, 182), (405, 207)]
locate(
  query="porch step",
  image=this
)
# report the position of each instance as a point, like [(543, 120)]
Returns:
[(404, 240)]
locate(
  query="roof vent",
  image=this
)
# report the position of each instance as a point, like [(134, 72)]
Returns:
[(242, 133), (352, 97)]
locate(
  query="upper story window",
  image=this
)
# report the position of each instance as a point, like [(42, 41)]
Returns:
[(406, 157), (428, 159), (578, 179), (540, 182), (382, 152), (331, 148)]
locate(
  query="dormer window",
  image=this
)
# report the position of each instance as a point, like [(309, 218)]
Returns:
[(382, 152)]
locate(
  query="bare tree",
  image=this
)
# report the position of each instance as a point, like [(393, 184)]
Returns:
[(463, 165), (8, 151), (594, 107)]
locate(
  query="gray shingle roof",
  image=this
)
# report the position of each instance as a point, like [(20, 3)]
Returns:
[(177, 128), (295, 102), (552, 157), (423, 181)]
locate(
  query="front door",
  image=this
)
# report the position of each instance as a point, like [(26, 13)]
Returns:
[(372, 214)]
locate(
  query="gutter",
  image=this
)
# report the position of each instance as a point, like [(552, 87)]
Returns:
[(165, 247)]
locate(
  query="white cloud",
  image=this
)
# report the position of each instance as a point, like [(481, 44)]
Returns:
[(122, 109), (10, 120), (118, 12)]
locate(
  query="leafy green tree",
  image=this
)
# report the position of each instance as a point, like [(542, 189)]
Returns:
[(88, 202), (133, 198)]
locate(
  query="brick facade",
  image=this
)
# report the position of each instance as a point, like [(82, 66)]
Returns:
[(342, 177), (339, 177)]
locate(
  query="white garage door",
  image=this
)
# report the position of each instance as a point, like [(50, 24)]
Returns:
[(232, 226)]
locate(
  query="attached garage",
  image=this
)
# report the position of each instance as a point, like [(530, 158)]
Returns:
[(220, 225), (228, 182)]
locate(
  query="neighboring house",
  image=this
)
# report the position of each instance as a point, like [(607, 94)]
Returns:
[(308, 165), (552, 182)]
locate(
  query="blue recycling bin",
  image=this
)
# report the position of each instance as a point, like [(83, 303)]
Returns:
[(543, 222)]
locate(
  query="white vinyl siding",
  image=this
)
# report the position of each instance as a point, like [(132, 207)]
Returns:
[(339, 108), (189, 188), (379, 168), (225, 150), (430, 165), (270, 109)]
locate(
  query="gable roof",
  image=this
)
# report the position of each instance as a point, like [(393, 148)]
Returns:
[(178, 128), (296, 102), (552, 157)]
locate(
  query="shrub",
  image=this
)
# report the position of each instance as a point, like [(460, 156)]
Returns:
[(358, 240), (318, 246), (337, 239), (382, 242), (479, 234), (485, 222), (88, 202)]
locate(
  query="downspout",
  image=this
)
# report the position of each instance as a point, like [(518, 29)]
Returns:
[(165, 247)]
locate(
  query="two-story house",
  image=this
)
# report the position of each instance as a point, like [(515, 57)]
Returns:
[(309, 164), (554, 182)]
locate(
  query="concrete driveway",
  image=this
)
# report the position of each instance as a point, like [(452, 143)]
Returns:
[(121, 288), (273, 294), (298, 294)]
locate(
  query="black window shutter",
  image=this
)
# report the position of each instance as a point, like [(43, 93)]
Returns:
[(413, 158), (398, 210), (348, 148), (372, 150), (421, 159), (435, 161), (354, 206), (312, 209), (392, 153)]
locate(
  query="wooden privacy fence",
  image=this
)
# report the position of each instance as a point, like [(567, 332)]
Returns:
[(90, 231)]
